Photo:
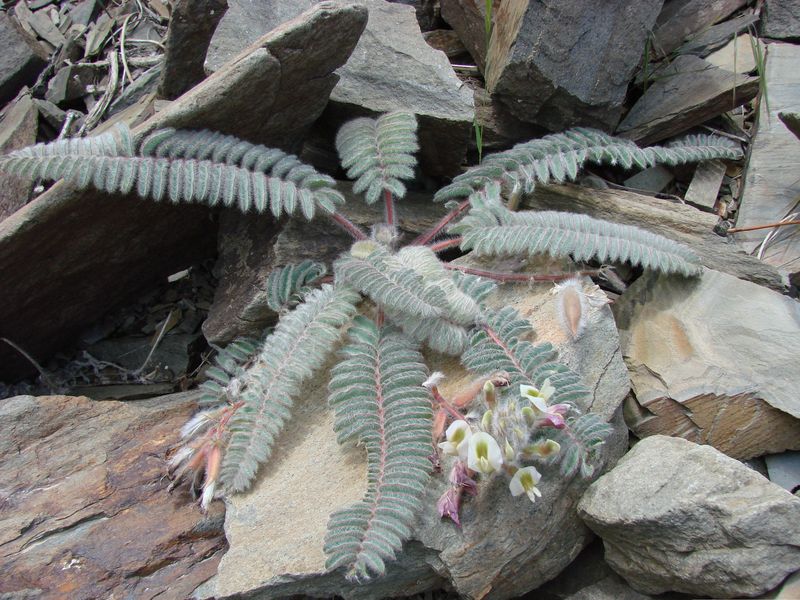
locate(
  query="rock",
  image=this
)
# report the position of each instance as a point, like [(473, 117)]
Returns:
[(21, 60), (276, 530), (501, 129), (190, 29), (527, 69), (678, 222), (445, 40), (685, 93), (681, 19), (249, 251), (391, 68), (718, 36), (677, 516), (736, 56), (95, 273), (468, 20), (784, 470), (70, 83), (653, 179), (428, 13), (781, 20), (85, 511), (770, 185), (714, 372), (790, 588), (704, 189), (17, 129)]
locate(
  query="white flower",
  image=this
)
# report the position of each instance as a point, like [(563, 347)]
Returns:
[(484, 453), (458, 436), (525, 480), (538, 397)]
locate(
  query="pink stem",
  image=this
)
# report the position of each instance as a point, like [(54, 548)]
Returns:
[(526, 277), (428, 236), (389, 203), (446, 405), (444, 245), (348, 226)]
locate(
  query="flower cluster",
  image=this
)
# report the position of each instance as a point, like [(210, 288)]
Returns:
[(498, 437)]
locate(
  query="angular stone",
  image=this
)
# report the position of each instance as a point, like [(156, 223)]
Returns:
[(784, 470), (106, 246), (70, 83), (712, 360), (190, 29), (677, 516), (501, 128), (677, 222), (85, 510), (771, 186), (428, 13), (704, 189), (468, 20), (20, 59), (681, 19), (685, 93), (653, 179), (249, 250), (276, 531), (781, 20), (445, 40), (17, 129), (603, 44), (391, 68), (714, 38), (736, 56)]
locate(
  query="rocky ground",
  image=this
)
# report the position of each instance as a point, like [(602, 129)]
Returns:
[(112, 308)]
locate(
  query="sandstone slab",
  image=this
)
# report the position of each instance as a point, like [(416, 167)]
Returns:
[(771, 186), (191, 26), (567, 63), (85, 511), (677, 516), (712, 360), (18, 129), (391, 68), (276, 530), (105, 248), (685, 93)]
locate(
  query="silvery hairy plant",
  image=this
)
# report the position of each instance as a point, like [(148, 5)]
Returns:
[(520, 412)]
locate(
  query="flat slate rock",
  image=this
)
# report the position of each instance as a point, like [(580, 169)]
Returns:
[(18, 129), (74, 255), (714, 360), (676, 516), (468, 20), (771, 184), (20, 60), (781, 20), (276, 530), (685, 93), (567, 63), (85, 511), (391, 68), (682, 19)]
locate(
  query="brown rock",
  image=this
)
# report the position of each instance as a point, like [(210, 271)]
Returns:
[(445, 40), (685, 93), (191, 26), (468, 20), (85, 511), (17, 130), (567, 63)]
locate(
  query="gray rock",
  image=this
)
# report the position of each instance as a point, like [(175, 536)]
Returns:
[(276, 530), (781, 20), (718, 36), (681, 19), (70, 83), (677, 516), (706, 91), (191, 26), (86, 513), (603, 44), (106, 246), (770, 185), (713, 360), (784, 470), (20, 60), (18, 129), (391, 68), (704, 189), (467, 18), (249, 250), (653, 179)]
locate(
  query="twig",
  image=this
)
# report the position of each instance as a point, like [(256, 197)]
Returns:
[(123, 58), (446, 244), (155, 344), (428, 236), (768, 226), (42, 373), (102, 105), (350, 227), (522, 277), (143, 41), (389, 207)]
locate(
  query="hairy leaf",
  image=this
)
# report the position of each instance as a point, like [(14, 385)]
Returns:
[(287, 285), (579, 441)]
